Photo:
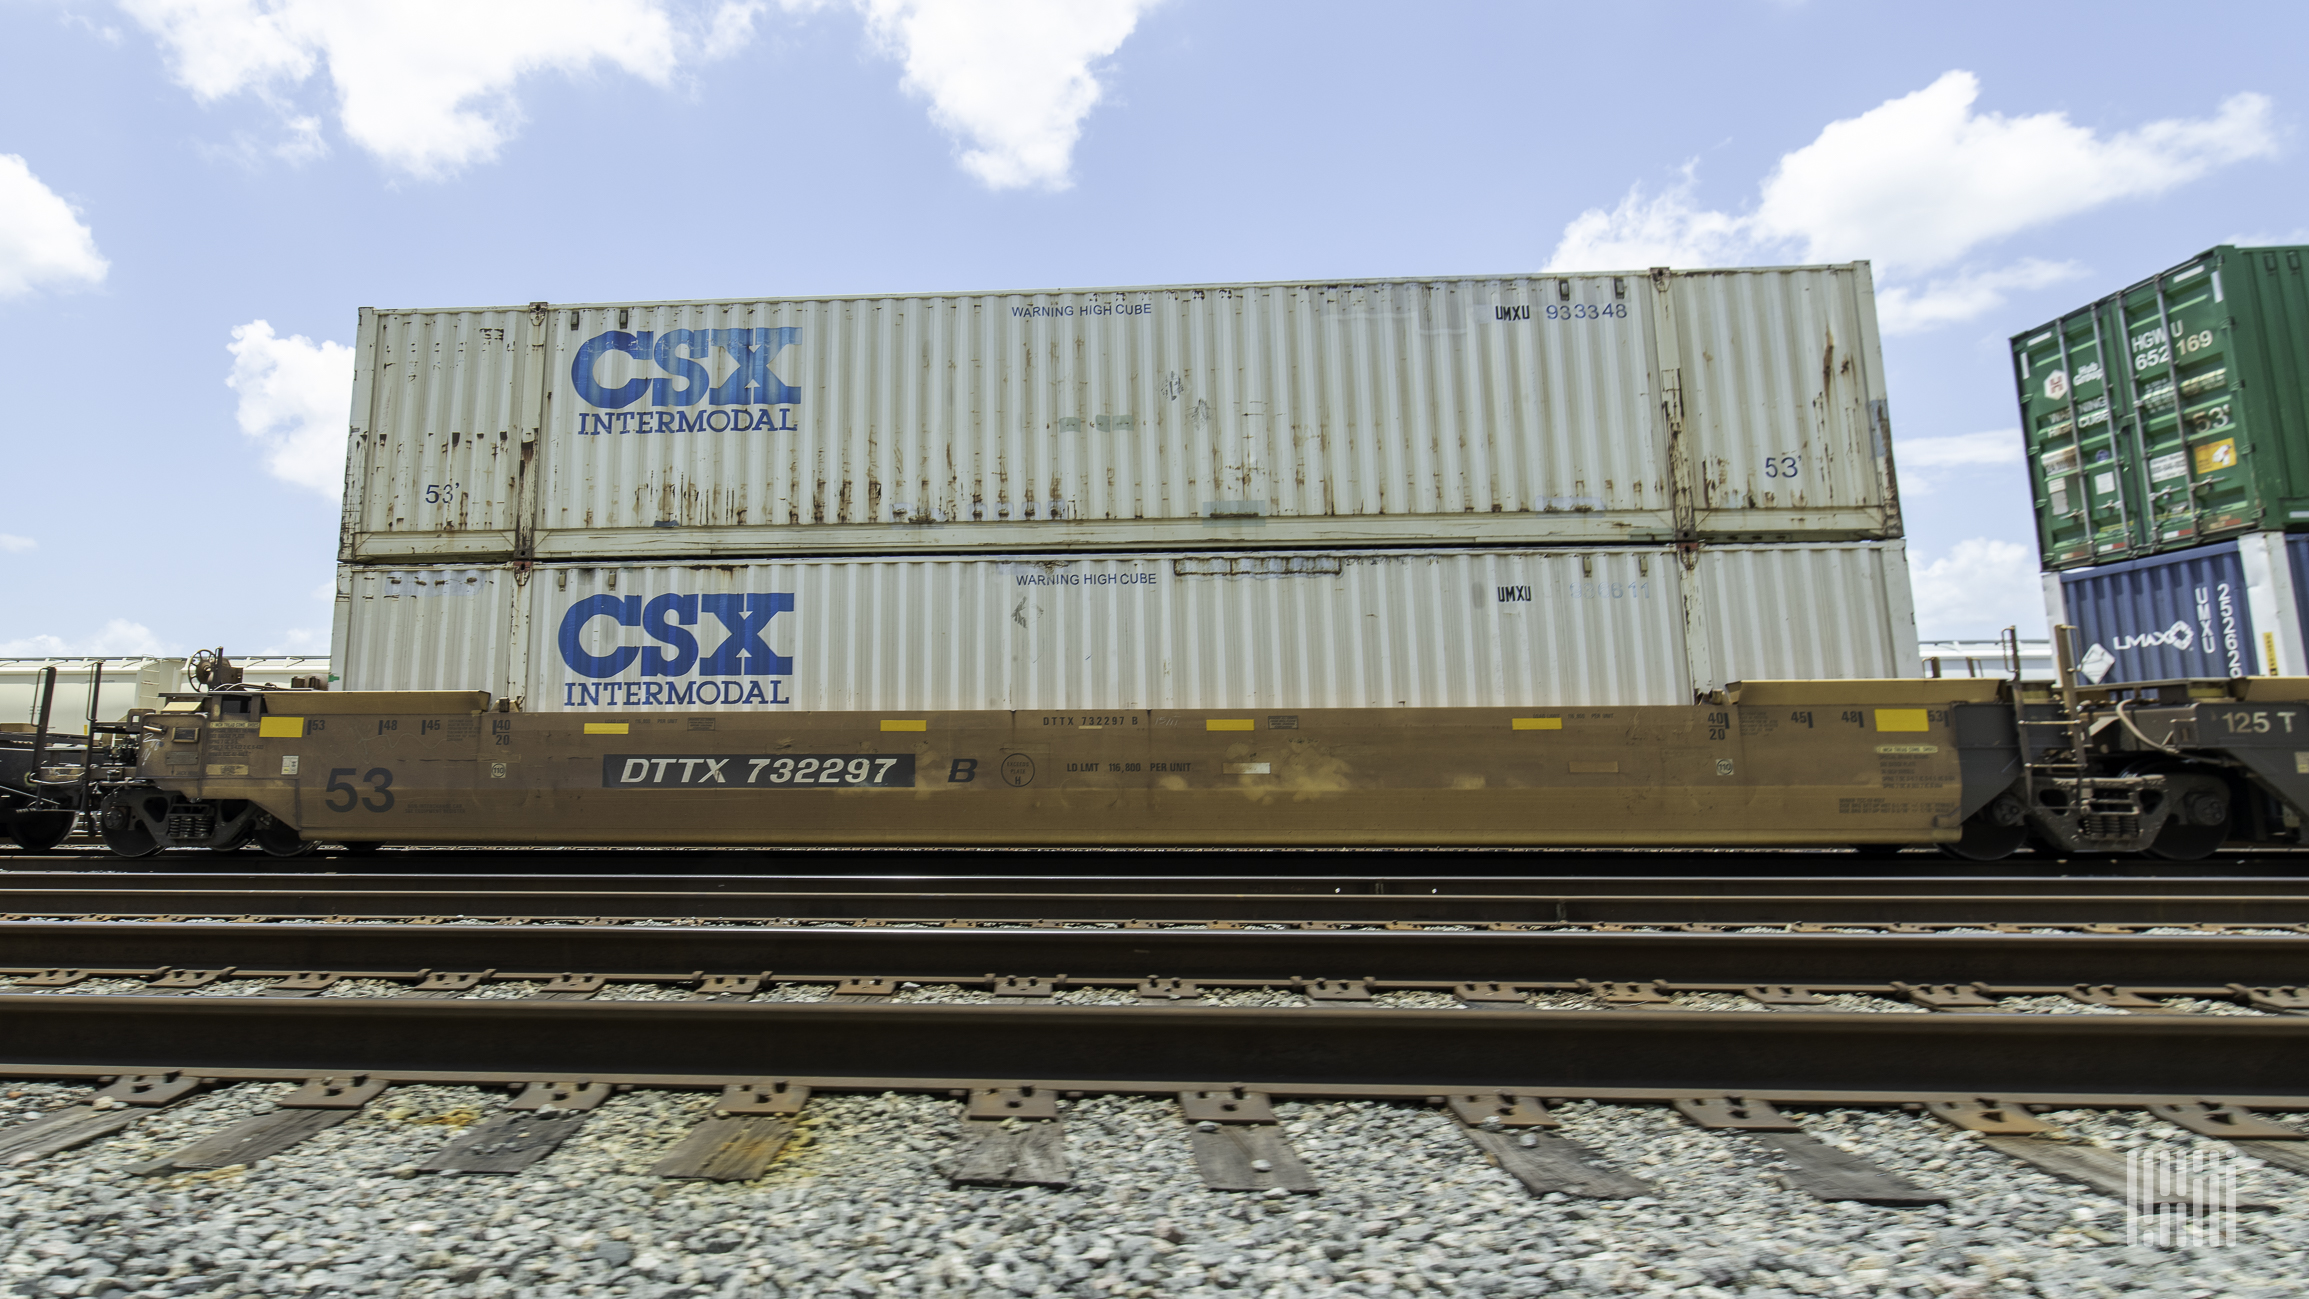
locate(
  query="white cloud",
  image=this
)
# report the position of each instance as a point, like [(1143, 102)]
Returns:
[(1918, 184), (2000, 447), (1666, 230), (295, 398), (1920, 181), (425, 85), (1012, 80), (119, 638), (43, 242), (1901, 309), (1995, 447), (11, 543), (1976, 590), (300, 640)]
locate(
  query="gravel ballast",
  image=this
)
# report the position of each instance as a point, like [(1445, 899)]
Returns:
[(858, 1205)]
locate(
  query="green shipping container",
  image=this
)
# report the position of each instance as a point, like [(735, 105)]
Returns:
[(2173, 413)]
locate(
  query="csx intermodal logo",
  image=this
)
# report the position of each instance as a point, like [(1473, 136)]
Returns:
[(720, 674), (686, 361)]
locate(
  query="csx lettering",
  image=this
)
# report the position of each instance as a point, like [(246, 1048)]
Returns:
[(666, 619), (686, 356)]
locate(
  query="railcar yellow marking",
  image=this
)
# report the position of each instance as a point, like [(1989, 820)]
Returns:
[(1227, 724), (605, 728), (898, 724), (281, 728), (1903, 719), (1535, 723)]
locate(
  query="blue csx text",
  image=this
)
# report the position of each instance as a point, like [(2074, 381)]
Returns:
[(665, 619), (686, 357)]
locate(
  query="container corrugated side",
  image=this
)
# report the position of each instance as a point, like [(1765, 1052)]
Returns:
[(1805, 613), (2173, 412), (1447, 628), (446, 408), (2187, 614), (1784, 395), (1503, 410), (398, 629)]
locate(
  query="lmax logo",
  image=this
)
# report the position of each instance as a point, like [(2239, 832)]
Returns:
[(667, 620), (688, 359)]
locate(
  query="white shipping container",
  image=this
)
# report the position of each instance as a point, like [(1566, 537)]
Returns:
[(1511, 410), (1436, 628), (129, 682)]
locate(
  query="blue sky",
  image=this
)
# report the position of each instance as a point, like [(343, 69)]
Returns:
[(196, 198)]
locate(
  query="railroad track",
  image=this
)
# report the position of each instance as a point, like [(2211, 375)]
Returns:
[(1123, 865), (1016, 1003), (1690, 904)]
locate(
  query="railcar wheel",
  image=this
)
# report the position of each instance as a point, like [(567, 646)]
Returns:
[(124, 832), (2199, 823), (280, 840), (1993, 833), (39, 831)]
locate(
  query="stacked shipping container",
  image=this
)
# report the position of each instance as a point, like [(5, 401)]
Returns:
[(535, 493), (2167, 428)]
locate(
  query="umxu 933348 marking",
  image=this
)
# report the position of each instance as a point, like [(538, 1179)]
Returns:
[(768, 771)]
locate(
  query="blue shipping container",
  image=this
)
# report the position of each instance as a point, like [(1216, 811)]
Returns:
[(2185, 614)]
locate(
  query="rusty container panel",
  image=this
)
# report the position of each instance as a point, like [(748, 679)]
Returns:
[(1806, 613), (1784, 397), (1265, 630), (445, 412), (402, 629), (1515, 410)]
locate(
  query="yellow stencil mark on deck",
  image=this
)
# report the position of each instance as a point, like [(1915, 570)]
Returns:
[(605, 728), (1227, 724), (896, 724), (1536, 723), (281, 728), (1903, 719)]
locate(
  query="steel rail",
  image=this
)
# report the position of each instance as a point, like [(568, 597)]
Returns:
[(1131, 1048), (344, 874), (1114, 954), (1189, 900), (1315, 865)]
